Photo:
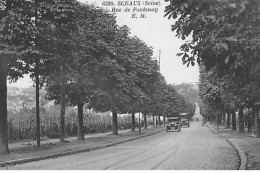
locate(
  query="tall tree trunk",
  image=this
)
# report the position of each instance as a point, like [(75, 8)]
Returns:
[(223, 117), (62, 99), (139, 123), (212, 119), (164, 120), (256, 121), (156, 121), (37, 83), (62, 107), (115, 123), (217, 121), (254, 118), (241, 120), (3, 96), (133, 122), (153, 121), (159, 120), (228, 119), (80, 121), (145, 121), (234, 122), (3, 106)]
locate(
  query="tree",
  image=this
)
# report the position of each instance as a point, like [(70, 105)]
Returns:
[(143, 71), (223, 33), (210, 93), (64, 23), (38, 19), (228, 119), (15, 31), (229, 28), (187, 90), (158, 104), (133, 121), (88, 45), (3, 107)]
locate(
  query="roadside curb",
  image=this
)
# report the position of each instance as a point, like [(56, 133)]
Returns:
[(20, 161), (240, 152)]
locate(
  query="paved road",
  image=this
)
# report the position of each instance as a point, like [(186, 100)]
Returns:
[(194, 148)]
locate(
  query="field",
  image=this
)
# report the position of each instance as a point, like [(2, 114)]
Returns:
[(22, 124)]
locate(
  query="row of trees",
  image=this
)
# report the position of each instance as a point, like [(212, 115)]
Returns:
[(82, 58), (226, 95), (224, 40)]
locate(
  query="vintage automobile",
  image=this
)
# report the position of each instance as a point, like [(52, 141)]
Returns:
[(174, 123), (185, 122)]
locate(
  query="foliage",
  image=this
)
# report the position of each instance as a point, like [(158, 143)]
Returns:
[(189, 91), (128, 79), (224, 32), (226, 92)]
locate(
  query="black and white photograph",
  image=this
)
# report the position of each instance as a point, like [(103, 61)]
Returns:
[(130, 85)]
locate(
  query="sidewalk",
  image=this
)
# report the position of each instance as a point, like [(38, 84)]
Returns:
[(247, 145), (23, 152)]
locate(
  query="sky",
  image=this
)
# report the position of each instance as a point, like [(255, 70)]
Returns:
[(155, 31)]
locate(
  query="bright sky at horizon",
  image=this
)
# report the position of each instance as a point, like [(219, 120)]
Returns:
[(155, 30)]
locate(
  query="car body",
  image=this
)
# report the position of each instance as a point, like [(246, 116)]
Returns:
[(174, 123), (185, 122)]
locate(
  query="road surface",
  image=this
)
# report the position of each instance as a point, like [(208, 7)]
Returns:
[(194, 148)]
